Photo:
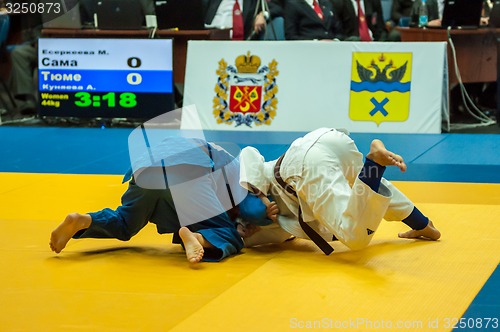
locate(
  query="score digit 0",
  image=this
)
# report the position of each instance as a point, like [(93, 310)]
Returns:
[(134, 78)]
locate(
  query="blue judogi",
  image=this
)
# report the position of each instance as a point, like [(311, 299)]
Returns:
[(177, 160)]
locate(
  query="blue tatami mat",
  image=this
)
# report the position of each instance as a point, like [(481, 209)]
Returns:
[(443, 158), (440, 158), (485, 306), (64, 150)]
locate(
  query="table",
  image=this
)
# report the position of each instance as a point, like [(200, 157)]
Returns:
[(180, 39), (476, 51)]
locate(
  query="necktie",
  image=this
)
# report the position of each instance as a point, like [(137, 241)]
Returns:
[(317, 9), (238, 33), (364, 34)]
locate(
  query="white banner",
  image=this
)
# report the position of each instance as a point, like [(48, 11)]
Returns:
[(304, 85)]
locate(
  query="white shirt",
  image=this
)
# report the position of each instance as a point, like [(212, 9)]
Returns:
[(223, 18), (310, 3), (440, 8), (355, 5)]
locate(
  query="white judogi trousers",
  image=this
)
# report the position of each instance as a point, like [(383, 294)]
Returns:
[(323, 168)]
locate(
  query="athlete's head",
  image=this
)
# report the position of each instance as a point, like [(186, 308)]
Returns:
[(253, 211)]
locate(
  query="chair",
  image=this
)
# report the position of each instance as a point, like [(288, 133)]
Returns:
[(4, 33), (275, 29)]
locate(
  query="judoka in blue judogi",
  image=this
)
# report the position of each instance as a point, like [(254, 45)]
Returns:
[(183, 185)]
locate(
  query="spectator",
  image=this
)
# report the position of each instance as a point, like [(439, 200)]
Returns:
[(401, 10), (369, 26), (245, 17), (434, 12), (24, 62), (311, 19), (408, 10)]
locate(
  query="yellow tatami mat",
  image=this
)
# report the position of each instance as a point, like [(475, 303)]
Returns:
[(146, 284)]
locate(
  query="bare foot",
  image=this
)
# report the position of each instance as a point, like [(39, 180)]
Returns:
[(429, 233), (379, 154), (73, 223), (193, 247)]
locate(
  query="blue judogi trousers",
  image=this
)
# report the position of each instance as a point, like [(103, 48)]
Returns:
[(140, 206)]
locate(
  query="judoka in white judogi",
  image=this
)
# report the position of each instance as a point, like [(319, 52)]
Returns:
[(324, 169)]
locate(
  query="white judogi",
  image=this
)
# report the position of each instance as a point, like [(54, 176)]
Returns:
[(323, 168)]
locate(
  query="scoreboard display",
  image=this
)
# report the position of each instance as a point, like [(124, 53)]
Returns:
[(107, 78)]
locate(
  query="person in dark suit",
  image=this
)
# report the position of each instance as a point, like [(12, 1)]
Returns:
[(400, 10), (433, 13), (24, 58), (218, 14), (89, 7), (303, 23), (347, 12), (410, 9)]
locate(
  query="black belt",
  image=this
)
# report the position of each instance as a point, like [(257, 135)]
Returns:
[(313, 235)]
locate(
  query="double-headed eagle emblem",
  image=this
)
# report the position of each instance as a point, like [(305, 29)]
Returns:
[(380, 89), (388, 73)]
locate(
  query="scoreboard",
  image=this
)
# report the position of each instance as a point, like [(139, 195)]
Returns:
[(107, 78)]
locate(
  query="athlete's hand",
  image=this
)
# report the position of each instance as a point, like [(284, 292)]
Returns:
[(272, 211)]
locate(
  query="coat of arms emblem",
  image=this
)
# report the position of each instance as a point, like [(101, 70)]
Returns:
[(246, 92), (380, 87)]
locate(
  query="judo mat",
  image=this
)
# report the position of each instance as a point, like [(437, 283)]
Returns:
[(146, 284)]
